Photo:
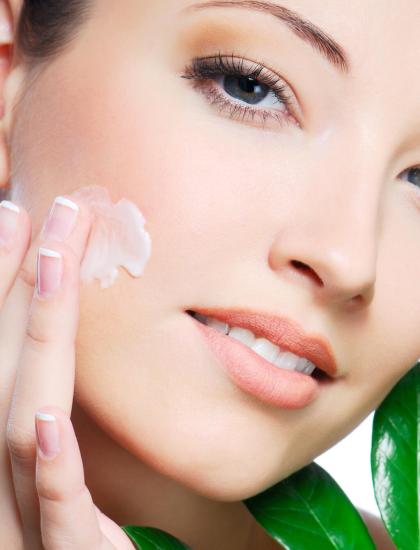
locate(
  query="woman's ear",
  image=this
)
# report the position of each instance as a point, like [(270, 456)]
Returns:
[(11, 78)]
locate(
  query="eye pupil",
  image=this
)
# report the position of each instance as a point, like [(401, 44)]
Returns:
[(245, 88)]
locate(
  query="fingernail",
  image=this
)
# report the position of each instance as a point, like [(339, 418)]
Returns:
[(9, 213), (49, 272), (47, 435), (61, 219)]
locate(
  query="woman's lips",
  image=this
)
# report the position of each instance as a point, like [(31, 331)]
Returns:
[(281, 331), (258, 377)]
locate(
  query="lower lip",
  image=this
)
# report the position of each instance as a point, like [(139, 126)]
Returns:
[(258, 377)]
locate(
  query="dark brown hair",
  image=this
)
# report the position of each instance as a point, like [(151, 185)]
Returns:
[(43, 30), (46, 27)]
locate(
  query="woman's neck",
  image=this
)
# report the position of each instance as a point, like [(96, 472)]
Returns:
[(131, 493)]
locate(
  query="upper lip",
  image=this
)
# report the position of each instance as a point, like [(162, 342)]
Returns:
[(282, 331)]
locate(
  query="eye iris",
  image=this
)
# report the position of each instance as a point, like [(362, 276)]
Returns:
[(414, 173), (243, 88)]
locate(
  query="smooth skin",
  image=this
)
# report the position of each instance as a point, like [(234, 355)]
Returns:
[(54, 502), (318, 222)]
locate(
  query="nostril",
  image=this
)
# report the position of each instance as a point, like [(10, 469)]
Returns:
[(305, 268), (299, 265)]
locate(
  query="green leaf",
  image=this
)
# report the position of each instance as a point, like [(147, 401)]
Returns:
[(395, 460), (309, 510), (150, 538)]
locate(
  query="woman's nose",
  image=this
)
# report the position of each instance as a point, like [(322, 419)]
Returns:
[(329, 242)]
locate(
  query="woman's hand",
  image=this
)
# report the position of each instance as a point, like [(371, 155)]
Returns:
[(38, 328)]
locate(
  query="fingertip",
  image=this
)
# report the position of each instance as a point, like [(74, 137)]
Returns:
[(47, 435), (59, 413), (15, 227), (68, 440), (83, 208)]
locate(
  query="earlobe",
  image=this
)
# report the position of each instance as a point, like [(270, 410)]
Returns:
[(6, 46)]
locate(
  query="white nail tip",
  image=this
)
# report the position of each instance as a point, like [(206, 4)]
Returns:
[(49, 253), (10, 206), (67, 202), (45, 416)]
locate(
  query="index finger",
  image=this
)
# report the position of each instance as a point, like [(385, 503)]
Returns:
[(46, 367)]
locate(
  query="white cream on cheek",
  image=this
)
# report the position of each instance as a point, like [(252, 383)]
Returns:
[(117, 237)]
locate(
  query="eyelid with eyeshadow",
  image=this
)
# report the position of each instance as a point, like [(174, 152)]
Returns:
[(204, 69)]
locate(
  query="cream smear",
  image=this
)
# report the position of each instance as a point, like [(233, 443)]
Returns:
[(117, 237)]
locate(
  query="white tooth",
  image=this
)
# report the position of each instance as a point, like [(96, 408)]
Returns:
[(302, 364), (265, 348), (286, 360), (310, 368), (243, 335), (305, 366), (218, 325)]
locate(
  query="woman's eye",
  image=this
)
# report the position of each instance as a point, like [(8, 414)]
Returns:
[(246, 90), (413, 176)]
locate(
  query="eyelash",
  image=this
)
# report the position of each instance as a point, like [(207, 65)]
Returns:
[(206, 68)]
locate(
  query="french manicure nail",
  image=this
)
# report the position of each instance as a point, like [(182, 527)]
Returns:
[(61, 219), (47, 435), (49, 272)]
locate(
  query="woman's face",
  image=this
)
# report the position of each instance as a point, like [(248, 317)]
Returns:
[(233, 200)]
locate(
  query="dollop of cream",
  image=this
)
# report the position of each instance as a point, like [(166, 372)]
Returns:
[(117, 237)]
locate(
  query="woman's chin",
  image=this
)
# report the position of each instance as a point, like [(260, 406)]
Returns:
[(225, 488), (227, 481)]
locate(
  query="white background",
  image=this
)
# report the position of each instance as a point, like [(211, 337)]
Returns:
[(348, 462)]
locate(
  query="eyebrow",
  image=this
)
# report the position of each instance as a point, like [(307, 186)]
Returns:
[(303, 28)]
